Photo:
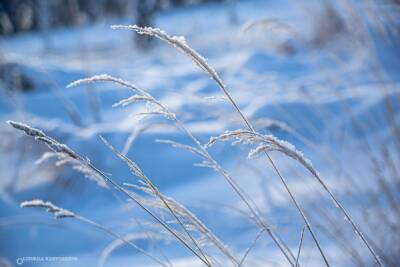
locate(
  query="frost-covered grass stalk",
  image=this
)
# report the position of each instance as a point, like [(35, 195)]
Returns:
[(180, 44), (154, 107), (64, 151), (61, 213)]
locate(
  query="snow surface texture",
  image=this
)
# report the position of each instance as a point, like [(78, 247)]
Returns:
[(326, 94)]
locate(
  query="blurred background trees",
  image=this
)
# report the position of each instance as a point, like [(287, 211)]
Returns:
[(29, 15)]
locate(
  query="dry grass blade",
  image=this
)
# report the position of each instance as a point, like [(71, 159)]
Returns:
[(61, 213), (182, 146), (58, 212), (63, 159), (300, 246), (62, 152), (177, 41), (107, 78), (135, 134), (251, 247), (266, 123), (156, 107), (130, 100), (135, 169), (106, 253), (269, 23), (40, 136), (264, 143)]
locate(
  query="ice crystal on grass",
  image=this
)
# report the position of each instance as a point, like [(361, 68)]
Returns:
[(58, 212), (265, 143), (153, 106), (130, 100), (40, 136), (176, 41), (182, 146)]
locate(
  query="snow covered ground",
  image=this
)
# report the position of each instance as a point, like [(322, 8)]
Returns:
[(272, 58)]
